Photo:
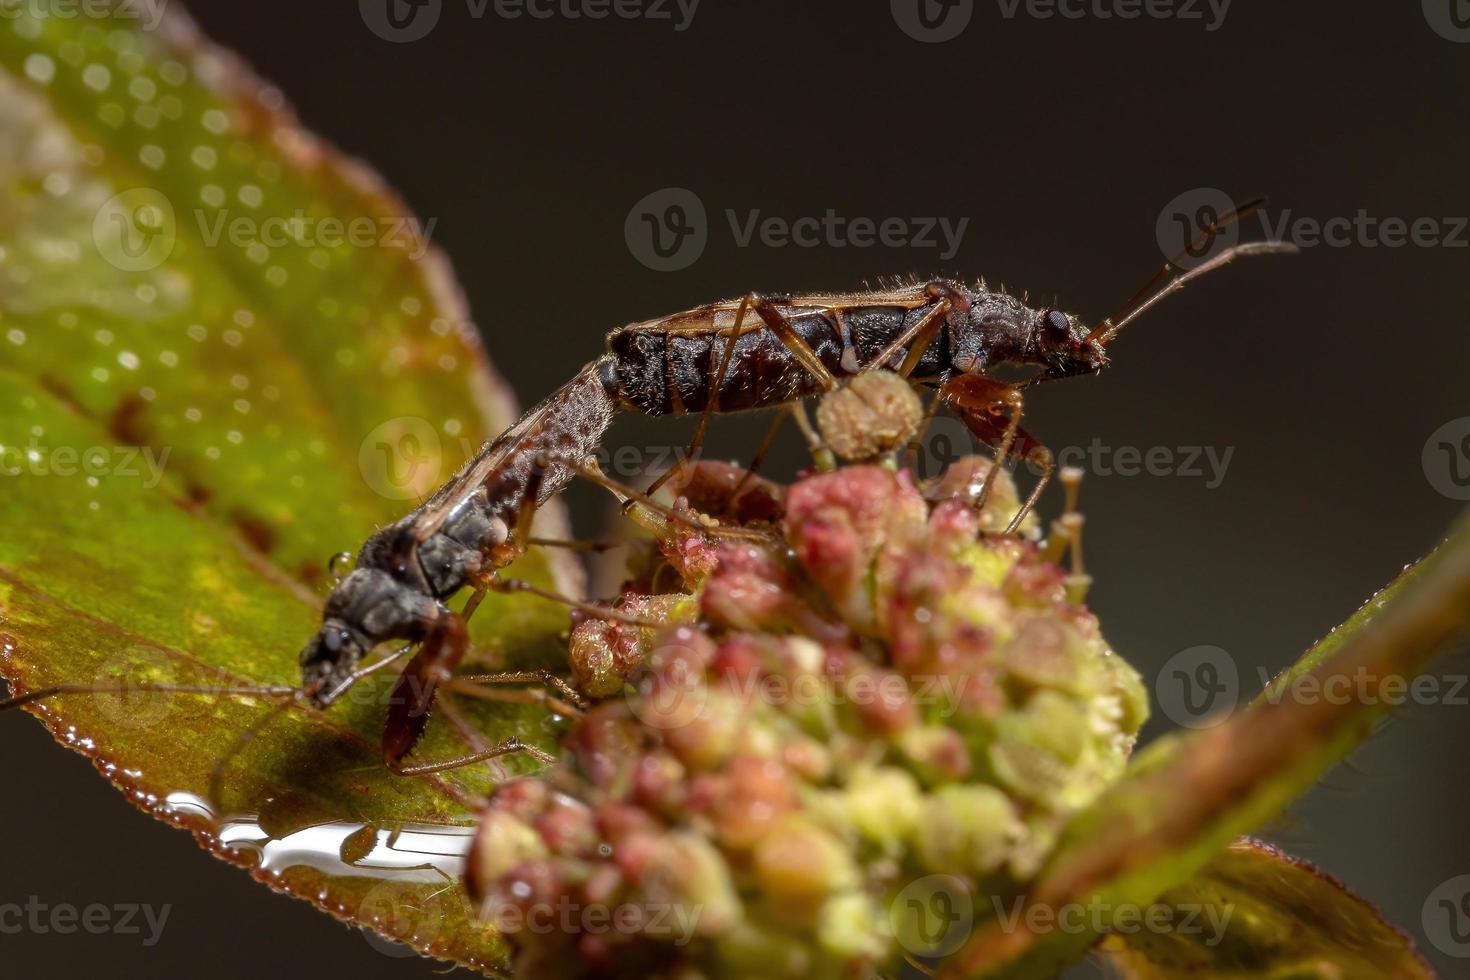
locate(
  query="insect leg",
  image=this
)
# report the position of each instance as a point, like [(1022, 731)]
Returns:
[(629, 497), (512, 585), (508, 747), (490, 687), (711, 402), (777, 323), (758, 459), (577, 544), (413, 694), (920, 336), (526, 676), (981, 404), (480, 749), (1043, 458), (521, 534)]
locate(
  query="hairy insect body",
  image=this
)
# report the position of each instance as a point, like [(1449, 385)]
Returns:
[(406, 570), (666, 367)]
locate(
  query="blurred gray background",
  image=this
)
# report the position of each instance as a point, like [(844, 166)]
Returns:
[(1070, 148)]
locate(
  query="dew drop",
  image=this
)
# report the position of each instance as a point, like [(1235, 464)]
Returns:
[(40, 68), (96, 77)]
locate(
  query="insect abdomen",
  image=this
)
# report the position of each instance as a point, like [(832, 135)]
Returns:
[(669, 373)]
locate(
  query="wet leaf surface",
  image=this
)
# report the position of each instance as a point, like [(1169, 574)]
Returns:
[(227, 353), (1259, 913)]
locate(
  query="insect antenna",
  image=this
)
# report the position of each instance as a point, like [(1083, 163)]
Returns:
[(292, 696), (45, 693), (1168, 280)]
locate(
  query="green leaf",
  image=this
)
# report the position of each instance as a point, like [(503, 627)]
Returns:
[(1254, 912), (224, 358), (1185, 798)]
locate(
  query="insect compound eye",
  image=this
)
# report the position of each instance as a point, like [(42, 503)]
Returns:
[(1058, 327)]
